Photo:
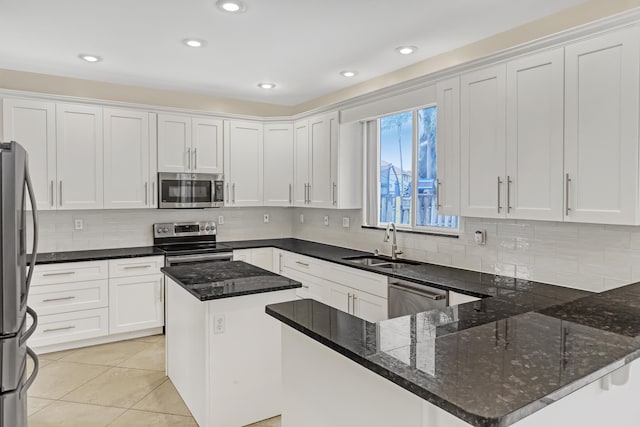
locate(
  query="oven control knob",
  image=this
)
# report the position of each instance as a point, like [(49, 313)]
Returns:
[(159, 230), (208, 228), (165, 230)]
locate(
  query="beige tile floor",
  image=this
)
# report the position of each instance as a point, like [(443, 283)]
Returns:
[(122, 384)]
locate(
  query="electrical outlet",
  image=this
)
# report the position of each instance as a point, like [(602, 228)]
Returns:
[(79, 225), (220, 220), (219, 324), (345, 222), (301, 218), (326, 220), (266, 218)]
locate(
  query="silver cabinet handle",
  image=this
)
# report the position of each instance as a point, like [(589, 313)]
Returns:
[(335, 188), (195, 159), (133, 267), (153, 193), (189, 158), (60, 195), (509, 182), (233, 187), (290, 195), (280, 263), (438, 183), (566, 195), (355, 298), (58, 299), (309, 191), (51, 194), (350, 298), (228, 193), (499, 184), (304, 264), (146, 193), (60, 273), (59, 329)]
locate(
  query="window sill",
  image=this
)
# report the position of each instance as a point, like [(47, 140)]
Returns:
[(423, 233)]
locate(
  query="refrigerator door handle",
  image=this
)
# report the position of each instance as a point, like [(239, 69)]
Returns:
[(36, 368), (34, 214), (32, 329)]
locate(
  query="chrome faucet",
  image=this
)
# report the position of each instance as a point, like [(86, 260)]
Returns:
[(394, 244)]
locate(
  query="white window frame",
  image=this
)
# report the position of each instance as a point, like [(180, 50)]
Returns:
[(412, 226)]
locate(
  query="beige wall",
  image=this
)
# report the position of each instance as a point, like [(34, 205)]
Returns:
[(590, 11)]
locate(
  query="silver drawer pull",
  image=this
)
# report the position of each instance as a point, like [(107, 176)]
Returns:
[(58, 299), (132, 267), (59, 329), (304, 264), (61, 273)]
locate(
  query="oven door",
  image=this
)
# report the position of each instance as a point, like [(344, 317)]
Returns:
[(172, 261), (185, 190)]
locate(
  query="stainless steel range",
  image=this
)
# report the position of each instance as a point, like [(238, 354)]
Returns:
[(190, 242)]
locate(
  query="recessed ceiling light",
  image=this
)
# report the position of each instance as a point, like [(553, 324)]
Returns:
[(231, 5), (89, 58), (406, 50), (194, 42), (348, 73), (266, 85)]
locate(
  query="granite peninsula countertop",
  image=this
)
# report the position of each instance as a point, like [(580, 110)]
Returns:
[(490, 374), (225, 279)]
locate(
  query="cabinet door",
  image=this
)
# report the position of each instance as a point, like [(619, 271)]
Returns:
[(136, 303), (278, 164), (448, 147), (601, 129), (340, 297), (206, 147), (301, 162), (242, 255), (126, 159), (32, 124), (369, 307), (174, 143), (482, 121), (244, 156), (263, 258), (535, 136), (320, 192), (79, 156)]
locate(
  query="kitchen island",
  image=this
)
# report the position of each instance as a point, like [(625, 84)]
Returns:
[(223, 351), (570, 364)]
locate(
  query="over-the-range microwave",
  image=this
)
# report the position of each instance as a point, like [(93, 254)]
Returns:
[(190, 190)]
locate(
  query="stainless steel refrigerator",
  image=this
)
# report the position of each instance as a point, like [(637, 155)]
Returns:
[(15, 277)]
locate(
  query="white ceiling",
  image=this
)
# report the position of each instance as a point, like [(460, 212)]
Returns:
[(301, 45)]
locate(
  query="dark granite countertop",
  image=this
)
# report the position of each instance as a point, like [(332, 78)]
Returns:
[(486, 373), (215, 280), (96, 255)]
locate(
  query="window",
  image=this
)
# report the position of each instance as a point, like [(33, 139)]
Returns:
[(406, 172)]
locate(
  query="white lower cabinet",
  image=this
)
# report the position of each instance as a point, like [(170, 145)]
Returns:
[(371, 308), (136, 303), (260, 257), (73, 326)]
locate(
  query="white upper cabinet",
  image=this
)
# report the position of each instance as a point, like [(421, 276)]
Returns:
[(535, 123), (174, 143), (448, 147), (601, 129), (483, 145), (33, 125), (347, 163), (244, 159), (278, 164), (127, 158), (320, 185), (301, 162), (207, 145), (190, 144), (79, 156)]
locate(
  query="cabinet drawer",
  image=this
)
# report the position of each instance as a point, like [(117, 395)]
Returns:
[(371, 283), (303, 263), (312, 287), (50, 274), (135, 266), (79, 325), (67, 297)]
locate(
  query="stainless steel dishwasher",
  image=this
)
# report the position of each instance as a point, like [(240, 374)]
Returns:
[(410, 298)]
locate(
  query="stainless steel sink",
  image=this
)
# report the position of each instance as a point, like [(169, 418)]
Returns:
[(378, 261)]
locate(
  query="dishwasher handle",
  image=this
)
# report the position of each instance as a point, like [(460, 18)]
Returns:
[(420, 292)]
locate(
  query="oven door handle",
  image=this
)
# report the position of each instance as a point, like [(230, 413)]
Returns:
[(201, 257)]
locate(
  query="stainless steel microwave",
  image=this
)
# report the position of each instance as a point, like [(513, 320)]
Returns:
[(190, 190)]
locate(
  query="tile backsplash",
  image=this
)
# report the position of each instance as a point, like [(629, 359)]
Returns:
[(131, 228), (585, 256)]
